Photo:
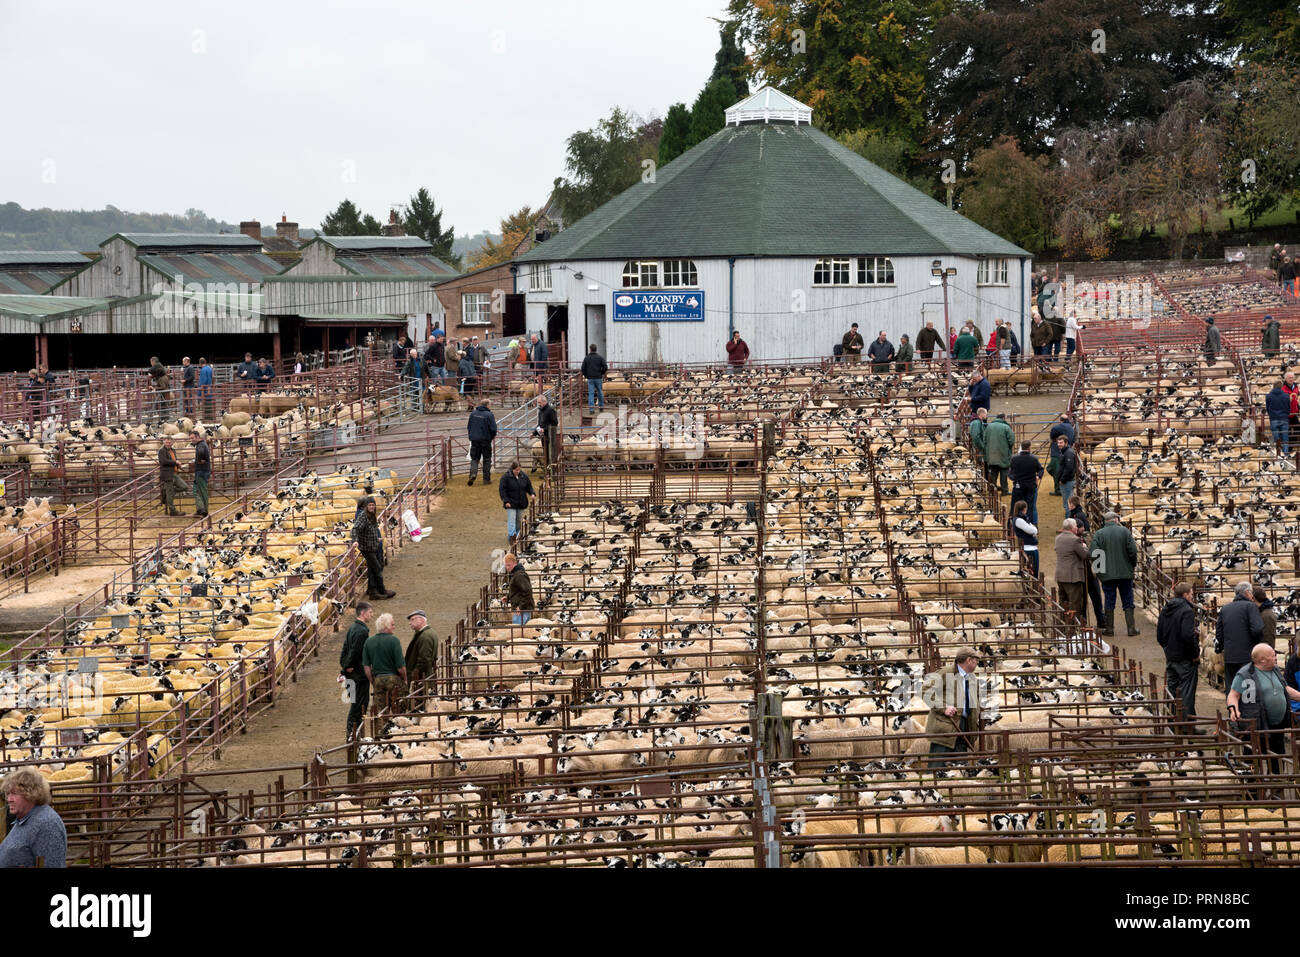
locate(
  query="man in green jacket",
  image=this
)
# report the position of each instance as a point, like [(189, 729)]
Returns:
[(927, 340), (977, 427), (1114, 553), (385, 666), (903, 357), (1272, 340), (422, 652), (964, 349), (999, 441)]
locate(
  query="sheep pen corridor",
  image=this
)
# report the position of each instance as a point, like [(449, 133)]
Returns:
[(441, 575)]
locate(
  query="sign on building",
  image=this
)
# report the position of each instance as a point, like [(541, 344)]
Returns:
[(685, 306)]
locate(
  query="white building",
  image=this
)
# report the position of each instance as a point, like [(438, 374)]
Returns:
[(772, 228)]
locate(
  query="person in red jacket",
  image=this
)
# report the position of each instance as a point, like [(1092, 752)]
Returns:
[(737, 351), (1290, 387)]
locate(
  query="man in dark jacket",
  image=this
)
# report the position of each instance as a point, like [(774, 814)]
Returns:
[(1213, 342), (482, 431), (1114, 554), (964, 349), (1176, 634), (980, 392), (927, 340), (246, 371), (422, 652), (538, 354), (1271, 341), (1239, 629), (412, 377), (435, 354), (171, 482), (1267, 613), (516, 491), (1067, 467), (1061, 428), (519, 591), (399, 352), (594, 368), (355, 682), (1026, 472), (881, 353), (189, 385), (1278, 405), (202, 472), (265, 373), (365, 532), (548, 429), (852, 344), (1074, 510)]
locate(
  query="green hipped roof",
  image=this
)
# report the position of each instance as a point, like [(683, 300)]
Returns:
[(771, 189)]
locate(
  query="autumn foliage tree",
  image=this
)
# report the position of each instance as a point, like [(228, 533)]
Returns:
[(1007, 192), (514, 229)]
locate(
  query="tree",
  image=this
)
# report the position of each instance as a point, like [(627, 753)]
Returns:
[(709, 113), (729, 63), (860, 64), (344, 221), (604, 161), (1261, 165), (422, 217), (1007, 193), (1029, 69), (1262, 30), (514, 229), (1091, 193), (677, 134), (893, 154)]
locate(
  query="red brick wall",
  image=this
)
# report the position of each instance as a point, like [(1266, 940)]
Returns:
[(496, 279)]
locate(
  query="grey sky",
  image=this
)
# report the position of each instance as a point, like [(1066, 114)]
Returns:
[(250, 109)]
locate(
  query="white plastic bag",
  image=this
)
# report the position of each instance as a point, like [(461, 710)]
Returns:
[(412, 525)]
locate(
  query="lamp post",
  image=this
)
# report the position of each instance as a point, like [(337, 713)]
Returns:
[(941, 278)]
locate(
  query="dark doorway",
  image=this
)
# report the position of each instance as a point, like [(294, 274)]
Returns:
[(514, 322), (557, 326)]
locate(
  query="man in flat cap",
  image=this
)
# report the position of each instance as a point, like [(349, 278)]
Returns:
[(422, 652)]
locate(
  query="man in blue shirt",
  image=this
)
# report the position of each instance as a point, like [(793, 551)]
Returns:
[(37, 831), (205, 386)]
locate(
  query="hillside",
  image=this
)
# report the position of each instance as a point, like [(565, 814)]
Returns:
[(84, 230)]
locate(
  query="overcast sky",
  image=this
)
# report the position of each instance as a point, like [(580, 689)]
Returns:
[(247, 110)]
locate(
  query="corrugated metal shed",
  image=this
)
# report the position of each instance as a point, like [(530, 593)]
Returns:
[(145, 241), (30, 281), (415, 266), (214, 267), (371, 243)]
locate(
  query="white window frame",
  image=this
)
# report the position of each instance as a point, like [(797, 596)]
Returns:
[(480, 306), (875, 271), (679, 274), (641, 274), (992, 272), (539, 278), (832, 268)]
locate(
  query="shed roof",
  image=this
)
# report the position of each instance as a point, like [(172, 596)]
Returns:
[(42, 257), (771, 189), (372, 243), (38, 309), (187, 240)]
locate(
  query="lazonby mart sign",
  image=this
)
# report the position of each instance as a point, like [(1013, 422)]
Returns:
[(686, 306)]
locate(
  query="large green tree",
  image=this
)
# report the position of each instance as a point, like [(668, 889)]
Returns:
[(1027, 70), (709, 112), (604, 161), (1261, 166), (423, 218), (893, 154), (730, 63), (1007, 193), (860, 64), (677, 133), (346, 220), (1263, 30)]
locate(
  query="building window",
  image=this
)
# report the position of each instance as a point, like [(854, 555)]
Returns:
[(875, 271), (639, 275), (476, 309), (992, 272), (539, 279), (679, 273), (831, 272)]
